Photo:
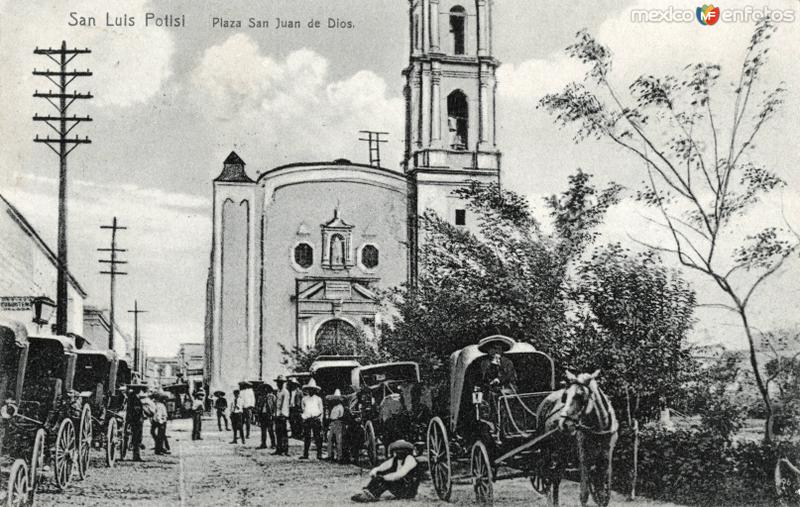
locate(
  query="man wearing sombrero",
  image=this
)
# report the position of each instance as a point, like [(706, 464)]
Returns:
[(399, 475), (497, 371), (312, 418), (497, 374)]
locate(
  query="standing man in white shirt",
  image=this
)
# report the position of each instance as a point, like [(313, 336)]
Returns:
[(248, 403), (281, 417), (160, 418), (336, 427), (312, 418)]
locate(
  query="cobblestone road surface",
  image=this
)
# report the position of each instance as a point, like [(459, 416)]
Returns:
[(215, 472)]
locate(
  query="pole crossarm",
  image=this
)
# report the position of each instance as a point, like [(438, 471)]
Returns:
[(61, 145), (61, 51), (56, 95), (36, 117), (70, 73)]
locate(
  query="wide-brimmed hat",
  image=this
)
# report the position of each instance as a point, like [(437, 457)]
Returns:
[(312, 384), (219, 394), (336, 397), (280, 378), (401, 445), (503, 341), (138, 387)]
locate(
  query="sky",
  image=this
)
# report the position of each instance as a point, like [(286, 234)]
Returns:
[(171, 103)]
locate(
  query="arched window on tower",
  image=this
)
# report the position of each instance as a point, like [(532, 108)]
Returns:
[(458, 120), (458, 22)]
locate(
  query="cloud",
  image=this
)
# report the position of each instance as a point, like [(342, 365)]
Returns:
[(275, 103), (166, 239), (130, 65)]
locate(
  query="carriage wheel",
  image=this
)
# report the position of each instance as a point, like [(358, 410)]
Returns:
[(37, 465), (112, 442), (439, 459), (84, 441), (370, 443), (481, 470), (18, 485), (541, 484), (64, 455), (787, 482)]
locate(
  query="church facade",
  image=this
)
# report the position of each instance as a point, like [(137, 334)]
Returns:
[(302, 252)]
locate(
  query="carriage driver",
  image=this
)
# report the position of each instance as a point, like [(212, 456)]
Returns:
[(498, 377), (497, 371)]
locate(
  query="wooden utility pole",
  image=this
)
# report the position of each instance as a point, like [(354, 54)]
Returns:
[(62, 146), (136, 311), (112, 272)]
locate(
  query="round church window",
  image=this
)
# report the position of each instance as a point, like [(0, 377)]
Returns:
[(369, 256), (304, 255)]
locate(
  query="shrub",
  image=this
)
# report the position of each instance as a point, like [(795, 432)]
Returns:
[(699, 467)]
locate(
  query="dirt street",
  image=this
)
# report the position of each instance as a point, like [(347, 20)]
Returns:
[(215, 472)]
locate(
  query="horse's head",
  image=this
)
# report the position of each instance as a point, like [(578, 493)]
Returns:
[(577, 400)]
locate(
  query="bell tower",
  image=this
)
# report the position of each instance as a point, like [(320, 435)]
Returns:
[(450, 109)]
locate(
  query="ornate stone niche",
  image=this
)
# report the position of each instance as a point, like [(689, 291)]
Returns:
[(337, 250)]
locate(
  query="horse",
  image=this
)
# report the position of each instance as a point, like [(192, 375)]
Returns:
[(581, 413)]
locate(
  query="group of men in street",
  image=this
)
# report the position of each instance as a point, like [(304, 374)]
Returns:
[(290, 407), (141, 405)]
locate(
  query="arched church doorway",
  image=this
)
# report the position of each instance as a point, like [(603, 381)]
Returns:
[(337, 336)]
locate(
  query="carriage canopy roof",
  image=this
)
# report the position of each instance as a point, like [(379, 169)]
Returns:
[(66, 344), (13, 358), (95, 366), (535, 373), (375, 374), (13, 331)]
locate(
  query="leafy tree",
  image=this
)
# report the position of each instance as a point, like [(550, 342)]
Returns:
[(299, 359), (697, 180), (637, 317), (509, 277)]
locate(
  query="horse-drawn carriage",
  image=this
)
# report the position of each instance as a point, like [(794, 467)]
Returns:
[(55, 406), (382, 401), (102, 374), (386, 404), (41, 412), (527, 432), (179, 401), (18, 459)]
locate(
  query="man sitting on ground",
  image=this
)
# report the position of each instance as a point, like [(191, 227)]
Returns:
[(399, 475)]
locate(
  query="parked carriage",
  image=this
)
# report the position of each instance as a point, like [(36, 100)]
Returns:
[(20, 456), (385, 403), (41, 412), (96, 373), (179, 402), (55, 406), (335, 372), (489, 443)]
